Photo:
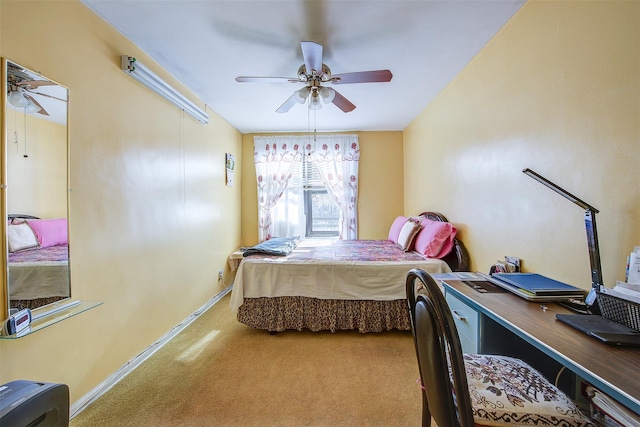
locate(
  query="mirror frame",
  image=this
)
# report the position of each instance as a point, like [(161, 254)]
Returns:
[(4, 141)]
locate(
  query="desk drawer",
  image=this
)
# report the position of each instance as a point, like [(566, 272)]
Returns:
[(469, 345), (467, 320)]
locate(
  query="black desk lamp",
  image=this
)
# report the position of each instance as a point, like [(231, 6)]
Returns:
[(592, 237)]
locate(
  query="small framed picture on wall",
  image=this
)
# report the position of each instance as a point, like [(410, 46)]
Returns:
[(230, 163)]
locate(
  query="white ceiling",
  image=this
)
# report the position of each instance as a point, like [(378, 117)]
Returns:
[(206, 44)]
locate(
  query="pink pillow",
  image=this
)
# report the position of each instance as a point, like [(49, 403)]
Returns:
[(49, 232), (435, 240), (396, 226)]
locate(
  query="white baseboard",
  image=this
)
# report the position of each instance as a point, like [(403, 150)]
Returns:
[(114, 378)]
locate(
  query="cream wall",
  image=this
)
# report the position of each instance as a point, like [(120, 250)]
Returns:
[(38, 182), (151, 219), (380, 195), (557, 91)]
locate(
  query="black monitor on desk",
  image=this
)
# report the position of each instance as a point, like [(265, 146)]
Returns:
[(592, 235)]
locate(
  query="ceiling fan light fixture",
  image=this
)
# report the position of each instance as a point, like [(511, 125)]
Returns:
[(314, 74), (17, 99), (32, 108), (314, 103), (302, 95), (327, 94)]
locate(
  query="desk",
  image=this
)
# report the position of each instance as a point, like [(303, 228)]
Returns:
[(614, 370)]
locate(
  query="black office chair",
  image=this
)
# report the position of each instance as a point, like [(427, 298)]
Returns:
[(468, 389)]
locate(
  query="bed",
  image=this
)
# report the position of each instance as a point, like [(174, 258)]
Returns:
[(343, 285), (38, 261)]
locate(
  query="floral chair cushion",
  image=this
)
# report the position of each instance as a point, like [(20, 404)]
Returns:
[(507, 391)]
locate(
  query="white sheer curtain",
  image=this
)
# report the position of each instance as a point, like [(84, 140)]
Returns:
[(275, 158), (278, 159), (288, 215), (337, 158)]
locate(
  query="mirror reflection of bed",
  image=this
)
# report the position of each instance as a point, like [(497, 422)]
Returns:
[(38, 261), (36, 195)]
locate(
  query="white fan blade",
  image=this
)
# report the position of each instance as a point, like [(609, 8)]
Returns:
[(245, 79), (300, 96), (37, 104), (342, 103), (288, 104), (312, 54), (378, 76)]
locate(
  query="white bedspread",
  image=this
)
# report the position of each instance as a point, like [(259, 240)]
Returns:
[(31, 280), (326, 279)]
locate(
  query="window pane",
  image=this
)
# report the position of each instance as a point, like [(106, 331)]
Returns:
[(322, 214)]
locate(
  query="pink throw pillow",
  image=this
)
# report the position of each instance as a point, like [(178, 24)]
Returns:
[(396, 226), (436, 238), (49, 232)]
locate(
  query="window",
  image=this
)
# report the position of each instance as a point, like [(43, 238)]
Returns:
[(320, 216), (287, 185)]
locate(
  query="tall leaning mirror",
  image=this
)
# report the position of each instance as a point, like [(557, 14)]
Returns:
[(34, 190)]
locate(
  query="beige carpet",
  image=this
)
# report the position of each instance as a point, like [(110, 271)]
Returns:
[(218, 372)]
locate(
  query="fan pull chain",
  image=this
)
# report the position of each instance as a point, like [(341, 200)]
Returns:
[(309, 121), (25, 133), (315, 130), (15, 131), (315, 127)]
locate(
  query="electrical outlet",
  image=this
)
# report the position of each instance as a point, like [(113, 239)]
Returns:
[(219, 274)]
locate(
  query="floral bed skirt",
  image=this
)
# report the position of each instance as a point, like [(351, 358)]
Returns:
[(21, 304), (281, 313)]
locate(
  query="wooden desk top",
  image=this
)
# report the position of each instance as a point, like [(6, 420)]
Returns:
[(615, 370)]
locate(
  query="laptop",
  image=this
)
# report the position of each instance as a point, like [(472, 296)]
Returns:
[(536, 287), (603, 329)]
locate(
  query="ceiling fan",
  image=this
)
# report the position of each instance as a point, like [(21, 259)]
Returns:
[(20, 84), (315, 75)]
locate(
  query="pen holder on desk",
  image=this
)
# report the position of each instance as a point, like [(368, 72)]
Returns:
[(619, 310)]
